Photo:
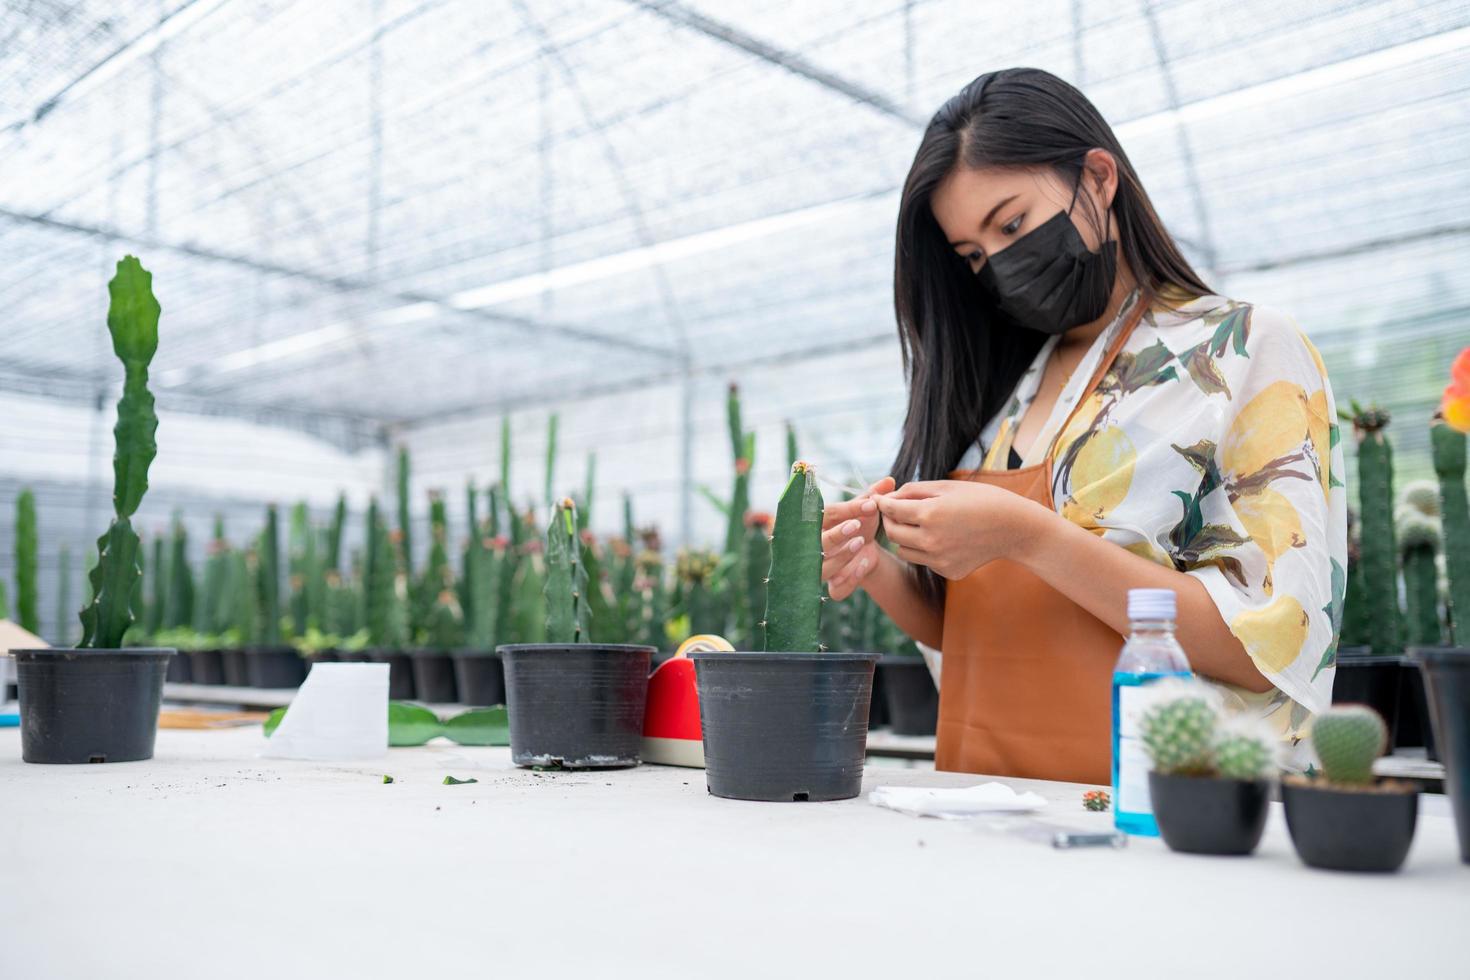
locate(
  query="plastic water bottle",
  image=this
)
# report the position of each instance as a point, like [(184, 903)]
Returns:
[(1150, 654)]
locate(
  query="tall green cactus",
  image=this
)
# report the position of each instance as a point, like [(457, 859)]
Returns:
[(179, 605), (405, 532), (1347, 739), (742, 448), (244, 614), (26, 610), (378, 574), (584, 506), (791, 454), (568, 617), (444, 629), (63, 596), (1377, 547), (157, 574), (551, 425), (1448, 448), (132, 319), (794, 587), (469, 559), (212, 614), (268, 580), (307, 574), (750, 631), (332, 559), (1355, 602), (1416, 522)]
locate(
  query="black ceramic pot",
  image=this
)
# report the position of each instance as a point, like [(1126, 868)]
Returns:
[(1447, 682), (479, 677), (1348, 829), (1205, 815), (400, 672), (433, 676)]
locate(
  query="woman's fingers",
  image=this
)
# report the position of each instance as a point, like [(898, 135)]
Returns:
[(900, 511), (842, 510), (839, 559), (914, 556)]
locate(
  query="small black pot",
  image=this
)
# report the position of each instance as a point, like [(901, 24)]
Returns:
[(237, 667), (1447, 680), (206, 666), (578, 705), (913, 700), (275, 667), (433, 676), (180, 670), (353, 656), (319, 657), (400, 672), (1371, 679), (89, 705), (479, 677), (878, 703), (1350, 830), (784, 726), (1205, 815)]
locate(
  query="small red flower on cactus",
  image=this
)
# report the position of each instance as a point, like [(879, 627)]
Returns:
[(1097, 800), (742, 466), (1456, 404)]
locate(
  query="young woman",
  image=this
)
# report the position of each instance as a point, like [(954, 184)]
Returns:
[(1085, 417)]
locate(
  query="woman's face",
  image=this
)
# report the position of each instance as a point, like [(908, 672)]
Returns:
[(982, 211)]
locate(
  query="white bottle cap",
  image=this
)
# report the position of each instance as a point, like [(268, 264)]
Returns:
[(1151, 604)]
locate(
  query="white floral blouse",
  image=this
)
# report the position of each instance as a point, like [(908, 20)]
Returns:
[(1212, 446)]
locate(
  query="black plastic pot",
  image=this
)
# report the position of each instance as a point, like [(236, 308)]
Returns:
[(1371, 679), (89, 705), (479, 677), (237, 667), (1447, 680), (433, 676), (912, 698), (878, 703), (400, 672), (1204, 815), (353, 656), (576, 706), (180, 670), (1414, 728), (1350, 830), (206, 666), (319, 657), (784, 726), (275, 667)]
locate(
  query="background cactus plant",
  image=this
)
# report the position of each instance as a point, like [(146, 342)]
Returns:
[(794, 587), (1448, 448), (750, 634), (1179, 735), (178, 610), (742, 449), (1377, 548), (1347, 738), (268, 580), (1243, 755), (27, 612), (63, 596), (1416, 523), (132, 319), (568, 617), (405, 529)]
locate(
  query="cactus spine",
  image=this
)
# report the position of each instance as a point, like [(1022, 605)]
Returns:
[(132, 319), (1448, 448), (25, 563), (1347, 740), (794, 585), (568, 618), (1179, 735), (1377, 548)]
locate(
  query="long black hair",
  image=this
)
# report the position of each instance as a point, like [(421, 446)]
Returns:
[(961, 361)]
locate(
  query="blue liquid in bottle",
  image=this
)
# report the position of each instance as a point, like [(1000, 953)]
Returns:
[(1151, 654)]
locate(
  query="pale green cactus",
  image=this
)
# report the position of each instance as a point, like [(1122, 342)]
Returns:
[(1347, 739), (1179, 735)]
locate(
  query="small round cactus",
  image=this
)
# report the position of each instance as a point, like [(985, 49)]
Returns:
[(1347, 740), (1242, 755), (1179, 735)]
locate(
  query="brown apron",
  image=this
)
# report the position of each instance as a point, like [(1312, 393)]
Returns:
[(1026, 683)]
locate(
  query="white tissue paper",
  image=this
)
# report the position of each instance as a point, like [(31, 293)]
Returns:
[(955, 804), (341, 712)]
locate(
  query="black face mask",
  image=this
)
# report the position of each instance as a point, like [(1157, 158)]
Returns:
[(1048, 281)]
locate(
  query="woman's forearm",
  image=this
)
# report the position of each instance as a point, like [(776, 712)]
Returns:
[(892, 586), (1097, 574)]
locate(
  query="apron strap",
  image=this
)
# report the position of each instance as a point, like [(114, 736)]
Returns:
[(1115, 347)]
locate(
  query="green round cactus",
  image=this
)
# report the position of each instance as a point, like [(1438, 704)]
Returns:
[(1240, 755), (1179, 735), (1347, 740)]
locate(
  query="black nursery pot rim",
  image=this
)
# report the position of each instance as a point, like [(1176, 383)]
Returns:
[(429, 652), (757, 656), (573, 648), (471, 652), (30, 654), (1441, 656), (902, 659)]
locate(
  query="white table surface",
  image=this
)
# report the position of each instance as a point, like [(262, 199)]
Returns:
[(209, 861)]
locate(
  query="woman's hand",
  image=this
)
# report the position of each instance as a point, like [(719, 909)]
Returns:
[(849, 545), (955, 526)]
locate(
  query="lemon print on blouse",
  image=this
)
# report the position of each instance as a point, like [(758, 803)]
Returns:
[(1272, 425), (1273, 524), (1319, 430), (1273, 635), (1080, 424), (1101, 475)]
